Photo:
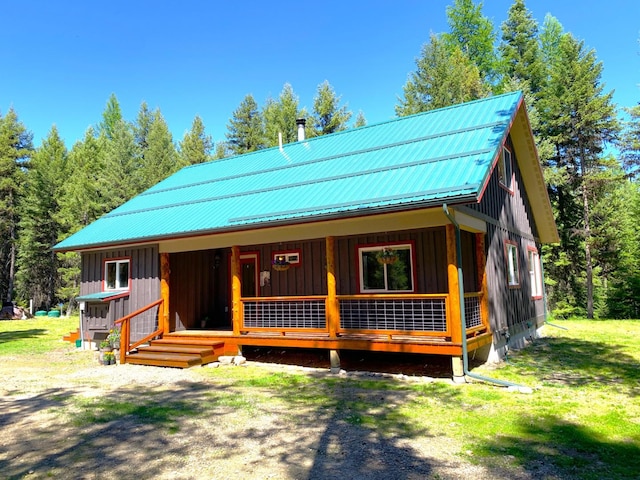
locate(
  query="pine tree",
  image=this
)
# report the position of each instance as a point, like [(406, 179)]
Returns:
[(630, 142), (361, 121), (40, 229), (15, 151), (328, 117), (280, 117), (120, 176), (444, 76), (578, 118), (160, 157), (550, 36), (519, 50), (111, 116), (196, 146), (245, 131), (473, 34)]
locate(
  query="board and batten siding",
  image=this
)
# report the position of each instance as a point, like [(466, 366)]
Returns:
[(509, 218), (144, 273), (310, 277)]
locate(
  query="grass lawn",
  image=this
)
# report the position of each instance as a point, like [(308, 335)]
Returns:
[(581, 421)]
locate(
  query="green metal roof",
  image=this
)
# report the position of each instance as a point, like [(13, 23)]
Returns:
[(438, 156), (99, 296)]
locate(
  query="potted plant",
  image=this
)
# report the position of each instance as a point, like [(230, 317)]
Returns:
[(105, 346), (280, 263), (109, 358), (114, 338), (387, 255)]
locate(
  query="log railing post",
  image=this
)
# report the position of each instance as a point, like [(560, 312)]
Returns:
[(481, 268), (454, 287), (165, 273), (333, 308), (236, 289)]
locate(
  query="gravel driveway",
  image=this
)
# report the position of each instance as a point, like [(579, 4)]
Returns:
[(52, 427)]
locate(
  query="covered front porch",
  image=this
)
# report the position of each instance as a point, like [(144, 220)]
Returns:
[(422, 323)]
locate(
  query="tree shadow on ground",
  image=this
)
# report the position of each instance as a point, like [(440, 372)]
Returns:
[(552, 448), (21, 334), (313, 430), (576, 363)]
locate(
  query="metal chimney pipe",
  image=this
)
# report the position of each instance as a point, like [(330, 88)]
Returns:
[(301, 122)]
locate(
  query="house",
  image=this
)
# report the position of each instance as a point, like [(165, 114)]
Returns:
[(421, 234)]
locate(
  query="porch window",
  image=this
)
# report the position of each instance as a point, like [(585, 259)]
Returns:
[(535, 273), (505, 171), (116, 274), (513, 269), (378, 276)]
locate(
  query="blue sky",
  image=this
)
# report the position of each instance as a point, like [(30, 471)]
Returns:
[(62, 60)]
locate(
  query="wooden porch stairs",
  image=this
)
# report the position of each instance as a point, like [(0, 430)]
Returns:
[(177, 353)]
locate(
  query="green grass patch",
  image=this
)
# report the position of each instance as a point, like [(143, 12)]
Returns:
[(582, 420), (35, 336)]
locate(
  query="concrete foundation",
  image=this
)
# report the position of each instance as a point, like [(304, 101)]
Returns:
[(334, 360), (457, 366)]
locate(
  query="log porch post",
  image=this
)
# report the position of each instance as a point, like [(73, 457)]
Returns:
[(457, 364), (481, 268), (454, 287), (236, 289), (333, 310), (165, 273)]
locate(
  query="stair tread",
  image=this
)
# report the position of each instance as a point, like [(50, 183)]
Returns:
[(175, 348)]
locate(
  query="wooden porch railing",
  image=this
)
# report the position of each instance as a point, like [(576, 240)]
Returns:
[(425, 314), (125, 330)]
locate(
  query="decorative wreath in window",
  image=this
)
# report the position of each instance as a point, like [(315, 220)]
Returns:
[(387, 255)]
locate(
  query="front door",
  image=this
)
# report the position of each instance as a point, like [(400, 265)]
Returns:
[(249, 274)]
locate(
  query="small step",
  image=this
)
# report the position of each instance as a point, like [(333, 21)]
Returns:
[(72, 336), (158, 359), (206, 354)]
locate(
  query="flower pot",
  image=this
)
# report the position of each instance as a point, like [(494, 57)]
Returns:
[(280, 268), (388, 260)]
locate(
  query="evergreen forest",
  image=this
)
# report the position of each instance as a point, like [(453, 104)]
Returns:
[(589, 149)]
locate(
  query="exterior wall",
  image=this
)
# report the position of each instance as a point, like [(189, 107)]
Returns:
[(144, 273), (509, 217), (310, 277)]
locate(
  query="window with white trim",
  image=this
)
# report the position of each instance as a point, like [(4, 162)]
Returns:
[(535, 273), (505, 171), (513, 269), (116, 274), (386, 268)]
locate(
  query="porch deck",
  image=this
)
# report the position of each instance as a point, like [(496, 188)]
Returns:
[(396, 343)]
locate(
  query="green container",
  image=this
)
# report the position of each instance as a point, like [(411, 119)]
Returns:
[(54, 313), (41, 313), (78, 343)]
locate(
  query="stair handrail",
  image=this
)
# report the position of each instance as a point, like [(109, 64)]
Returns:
[(125, 329)]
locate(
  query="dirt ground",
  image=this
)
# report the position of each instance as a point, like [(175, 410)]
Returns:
[(50, 427)]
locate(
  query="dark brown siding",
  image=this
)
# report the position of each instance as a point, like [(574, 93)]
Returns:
[(510, 218), (145, 286), (192, 283)]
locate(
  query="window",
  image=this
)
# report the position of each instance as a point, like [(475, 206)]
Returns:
[(291, 257), (535, 273), (391, 274), (504, 168), (513, 270), (116, 275)]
